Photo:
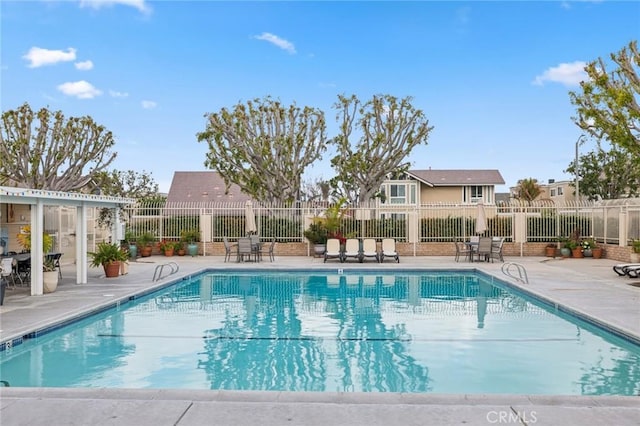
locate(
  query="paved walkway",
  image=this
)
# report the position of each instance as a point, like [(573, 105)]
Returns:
[(585, 286)]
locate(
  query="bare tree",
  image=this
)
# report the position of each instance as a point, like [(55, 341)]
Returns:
[(389, 130), (45, 151), (608, 107), (128, 184), (264, 147)]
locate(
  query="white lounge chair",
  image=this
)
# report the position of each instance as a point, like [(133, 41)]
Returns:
[(621, 268), (333, 250), (352, 249), (369, 249), (389, 250)]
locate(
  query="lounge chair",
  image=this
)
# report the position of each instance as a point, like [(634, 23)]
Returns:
[(621, 269), (352, 249), (333, 250), (369, 249), (633, 271), (389, 250)]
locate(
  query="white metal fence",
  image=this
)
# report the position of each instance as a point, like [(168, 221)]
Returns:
[(609, 221)]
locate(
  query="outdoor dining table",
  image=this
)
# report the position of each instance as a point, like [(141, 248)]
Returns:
[(473, 246), (23, 261)]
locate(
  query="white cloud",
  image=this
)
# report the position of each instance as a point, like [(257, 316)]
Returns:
[(149, 104), (277, 41), (568, 74), (79, 89), (115, 94), (39, 57), (84, 66), (141, 5)]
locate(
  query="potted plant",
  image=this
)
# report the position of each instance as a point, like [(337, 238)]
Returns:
[(130, 240), (109, 257), (596, 250), (317, 235), (586, 246), (191, 237), (180, 250), (169, 247), (124, 264), (565, 250), (550, 250), (635, 251), (145, 242)]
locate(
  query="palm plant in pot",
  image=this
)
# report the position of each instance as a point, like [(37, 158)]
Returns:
[(109, 257), (317, 234), (190, 238)]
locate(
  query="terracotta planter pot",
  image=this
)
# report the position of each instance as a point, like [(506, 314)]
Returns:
[(111, 270), (597, 252), (550, 251), (146, 251), (577, 253), (168, 252)]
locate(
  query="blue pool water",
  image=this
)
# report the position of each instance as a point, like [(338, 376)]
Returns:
[(441, 332)]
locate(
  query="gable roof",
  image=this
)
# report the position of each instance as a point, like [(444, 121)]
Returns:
[(202, 187), (457, 177)]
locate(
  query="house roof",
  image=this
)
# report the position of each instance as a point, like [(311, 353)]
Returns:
[(457, 177), (203, 187)]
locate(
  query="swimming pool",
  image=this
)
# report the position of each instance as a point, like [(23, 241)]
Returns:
[(444, 332)]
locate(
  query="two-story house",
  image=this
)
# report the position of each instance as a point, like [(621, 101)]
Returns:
[(423, 187)]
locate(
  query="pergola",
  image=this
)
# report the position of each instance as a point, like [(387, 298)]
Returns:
[(37, 199)]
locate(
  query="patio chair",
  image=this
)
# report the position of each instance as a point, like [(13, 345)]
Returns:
[(269, 251), (55, 258), (461, 249), (256, 245), (8, 270), (333, 250), (370, 249), (227, 249), (352, 250), (484, 249), (496, 249), (389, 250), (245, 249)]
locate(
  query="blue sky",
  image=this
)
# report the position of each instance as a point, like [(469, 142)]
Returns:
[(492, 77)]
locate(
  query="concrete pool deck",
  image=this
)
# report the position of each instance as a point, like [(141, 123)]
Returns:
[(586, 286)]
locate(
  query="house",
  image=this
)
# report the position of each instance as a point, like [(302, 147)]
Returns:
[(560, 192), (423, 187), (415, 187), (203, 187)]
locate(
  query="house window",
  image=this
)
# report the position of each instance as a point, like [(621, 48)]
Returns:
[(473, 194), (553, 192), (560, 192), (398, 194), (393, 216)]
